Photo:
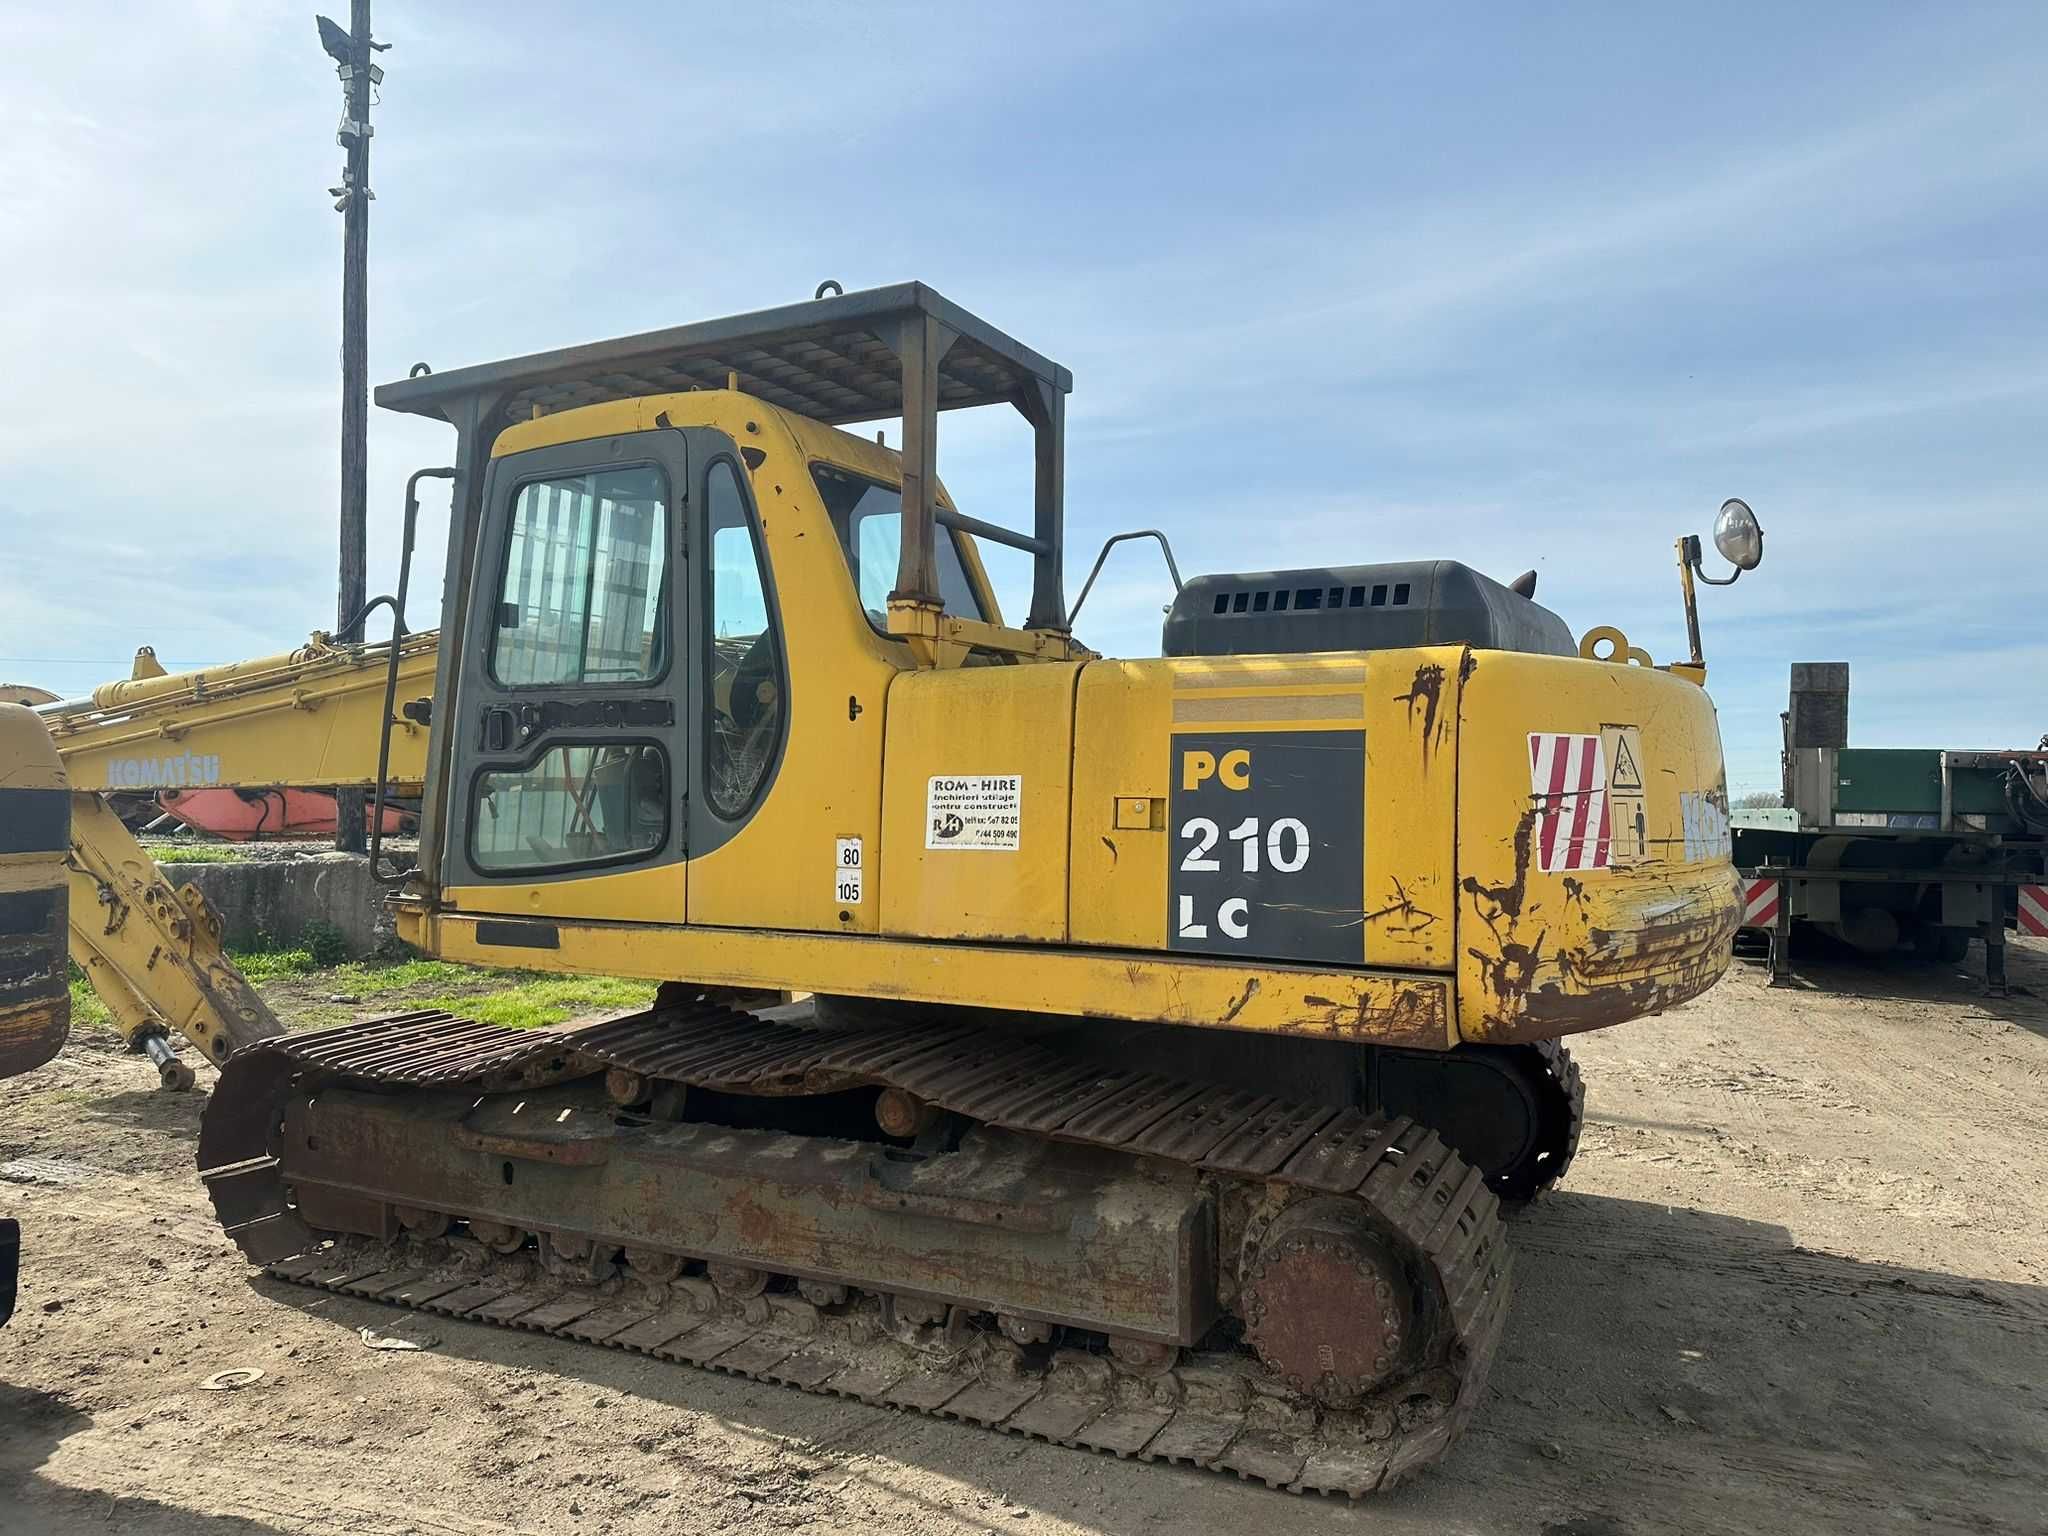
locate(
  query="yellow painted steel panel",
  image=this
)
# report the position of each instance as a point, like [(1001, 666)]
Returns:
[(1411, 800), (1128, 711), (1290, 707), (1568, 920), (1367, 1006), (975, 802), (779, 870), (653, 895), (1123, 714)]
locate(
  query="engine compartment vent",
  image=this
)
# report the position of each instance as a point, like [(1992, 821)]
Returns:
[(1358, 608)]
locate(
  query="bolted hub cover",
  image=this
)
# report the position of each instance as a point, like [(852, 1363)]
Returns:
[(1326, 1304)]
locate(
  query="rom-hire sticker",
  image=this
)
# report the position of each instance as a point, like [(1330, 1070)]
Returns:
[(978, 811)]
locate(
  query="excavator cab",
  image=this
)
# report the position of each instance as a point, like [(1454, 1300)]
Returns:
[(648, 532)]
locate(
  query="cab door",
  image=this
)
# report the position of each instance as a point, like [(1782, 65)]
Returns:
[(571, 757)]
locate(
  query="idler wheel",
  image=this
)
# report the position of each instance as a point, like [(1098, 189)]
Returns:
[(1326, 1303), (902, 1114), (424, 1223), (498, 1236), (625, 1087), (737, 1282), (1024, 1330), (1144, 1357), (653, 1266)]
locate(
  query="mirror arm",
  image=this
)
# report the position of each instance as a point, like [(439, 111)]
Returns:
[(1172, 569), (1693, 560)]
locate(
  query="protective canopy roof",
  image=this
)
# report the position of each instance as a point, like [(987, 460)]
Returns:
[(825, 359)]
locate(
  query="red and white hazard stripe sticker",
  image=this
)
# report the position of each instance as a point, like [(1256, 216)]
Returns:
[(1760, 900), (1568, 778), (2034, 910)]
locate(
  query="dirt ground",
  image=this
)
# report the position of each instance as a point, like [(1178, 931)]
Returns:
[(1797, 1281)]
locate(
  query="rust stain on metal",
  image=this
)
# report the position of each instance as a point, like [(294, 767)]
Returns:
[(1416, 1014), (1510, 974), (758, 1227), (1327, 1305), (1495, 902), (1401, 914), (1426, 693), (1595, 974), (1251, 990)]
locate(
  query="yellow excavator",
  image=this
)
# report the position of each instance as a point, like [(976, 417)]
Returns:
[(1166, 1032)]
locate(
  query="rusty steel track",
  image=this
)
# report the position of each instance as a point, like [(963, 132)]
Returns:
[(1215, 1405)]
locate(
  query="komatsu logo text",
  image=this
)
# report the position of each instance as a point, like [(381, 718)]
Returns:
[(179, 771)]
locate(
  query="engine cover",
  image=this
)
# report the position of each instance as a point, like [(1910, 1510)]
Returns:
[(1358, 608)]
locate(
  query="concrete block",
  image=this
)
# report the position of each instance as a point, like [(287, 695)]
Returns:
[(271, 900)]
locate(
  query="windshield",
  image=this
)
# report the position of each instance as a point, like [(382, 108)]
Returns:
[(868, 518)]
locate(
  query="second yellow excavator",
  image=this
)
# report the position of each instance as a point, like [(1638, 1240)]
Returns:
[(1168, 1028)]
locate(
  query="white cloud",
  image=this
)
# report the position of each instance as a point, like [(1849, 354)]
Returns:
[(1471, 330)]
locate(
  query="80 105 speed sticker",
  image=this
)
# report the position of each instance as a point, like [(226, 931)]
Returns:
[(848, 873), (1268, 850)]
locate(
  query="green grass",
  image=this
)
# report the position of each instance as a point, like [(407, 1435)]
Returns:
[(298, 987), (261, 965), (194, 853), (363, 978), (86, 1008), (540, 1000)]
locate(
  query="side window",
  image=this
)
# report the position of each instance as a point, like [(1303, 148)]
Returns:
[(741, 650), (584, 598), (868, 517), (576, 805)]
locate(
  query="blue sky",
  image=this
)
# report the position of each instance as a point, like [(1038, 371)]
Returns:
[(1522, 286)]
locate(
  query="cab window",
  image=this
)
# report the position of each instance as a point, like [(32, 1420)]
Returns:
[(586, 571), (583, 804), (867, 516), (742, 651)]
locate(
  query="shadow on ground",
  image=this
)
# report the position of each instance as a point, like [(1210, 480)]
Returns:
[(32, 1425), (1824, 964), (1666, 1369)]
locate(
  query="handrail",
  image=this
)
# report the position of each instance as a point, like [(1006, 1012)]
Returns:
[(412, 517), (1113, 540)]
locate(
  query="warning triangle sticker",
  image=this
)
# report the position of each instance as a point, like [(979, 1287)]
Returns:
[(1626, 774)]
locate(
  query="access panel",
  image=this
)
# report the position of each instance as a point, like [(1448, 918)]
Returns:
[(1268, 844)]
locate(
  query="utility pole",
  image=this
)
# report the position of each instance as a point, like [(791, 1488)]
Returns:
[(351, 52)]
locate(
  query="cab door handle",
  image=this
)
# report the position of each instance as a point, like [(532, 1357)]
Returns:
[(499, 725)]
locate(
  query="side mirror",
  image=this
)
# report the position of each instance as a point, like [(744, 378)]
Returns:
[(1739, 536), (1740, 539)]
